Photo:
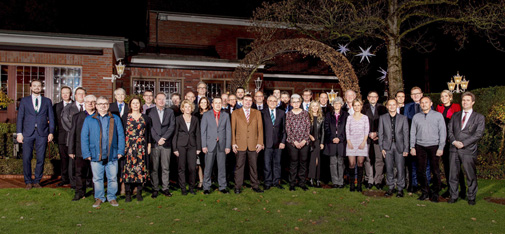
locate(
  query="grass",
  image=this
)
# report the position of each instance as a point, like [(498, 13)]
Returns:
[(317, 210)]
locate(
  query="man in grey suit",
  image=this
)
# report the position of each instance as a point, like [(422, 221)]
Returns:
[(394, 145), (216, 144), (465, 130), (162, 129)]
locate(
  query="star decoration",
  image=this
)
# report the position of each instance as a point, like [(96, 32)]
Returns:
[(365, 54), (384, 74), (343, 49)]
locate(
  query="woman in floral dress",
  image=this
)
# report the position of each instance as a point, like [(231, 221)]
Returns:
[(137, 149)]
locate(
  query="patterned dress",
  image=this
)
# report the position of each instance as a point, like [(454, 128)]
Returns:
[(355, 131), (135, 166)]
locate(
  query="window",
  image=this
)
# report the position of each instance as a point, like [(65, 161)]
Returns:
[(3, 80), (24, 75), (65, 76), (217, 87), (140, 86), (170, 87), (157, 85)]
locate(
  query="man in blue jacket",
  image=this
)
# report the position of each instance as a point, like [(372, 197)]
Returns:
[(103, 142)]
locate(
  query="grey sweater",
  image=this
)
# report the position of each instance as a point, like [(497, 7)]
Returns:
[(428, 130)]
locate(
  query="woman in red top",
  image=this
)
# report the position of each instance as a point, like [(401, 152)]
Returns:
[(447, 108)]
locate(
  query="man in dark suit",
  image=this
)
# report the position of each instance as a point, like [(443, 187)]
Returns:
[(163, 126), (61, 137), (216, 144), (374, 162), (176, 103), (121, 109), (275, 140), (335, 141), (35, 127), (323, 101), (400, 99), (239, 93), (201, 90), (259, 103), (66, 120), (465, 130), (247, 142), (285, 102), (394, 145), (82, 166)]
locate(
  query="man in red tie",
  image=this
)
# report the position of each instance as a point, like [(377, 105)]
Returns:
[(247, 142)]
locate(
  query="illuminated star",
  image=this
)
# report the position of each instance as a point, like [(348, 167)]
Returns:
[(365, 54), (343, 49), (384, 74)]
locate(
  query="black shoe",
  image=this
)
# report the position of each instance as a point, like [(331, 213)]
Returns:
[(359, 189), (434, 198), (334, 186), (155, 194), (184, 192), (451, 201), (410, 190), (341, 186), (77, 198), (192, 191), (369, 186), (224, 191), (167, 193), (206, 192), (279, 186), (379, 186), (423, 197), (139, 195), (446, 195), (258, 190), (415, 189), (62, 184), (304, 188), (237, 191), (471, 202), (389, 193), (291, 188), (266, 187), (400, 193)]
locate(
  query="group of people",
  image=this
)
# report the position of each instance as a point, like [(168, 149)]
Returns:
[(131, 144)]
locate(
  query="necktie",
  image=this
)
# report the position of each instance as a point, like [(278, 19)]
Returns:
[(417, 108), (373, 110), (80, 108), (247, 115), (463, 121), (307, 107), (36, 105), (217, 120), (272, 116), (120, 108)]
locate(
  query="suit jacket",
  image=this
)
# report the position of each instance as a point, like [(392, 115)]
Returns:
[(274, 134), (469, 136), (401, 133), (27, 118), (61, 137), (333, 130), (67, 116), (164, 129), (184, 137), (254, 106), (114, 109), (326, 109), (211, 132), (74, 136), (373, 119), (177, 110), (410, 110), (246, 135)]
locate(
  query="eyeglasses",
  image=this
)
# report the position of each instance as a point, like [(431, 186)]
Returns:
[(102, 104), (416, 93), (88, 102)]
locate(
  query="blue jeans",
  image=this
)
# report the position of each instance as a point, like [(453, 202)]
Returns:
[(111, 170)]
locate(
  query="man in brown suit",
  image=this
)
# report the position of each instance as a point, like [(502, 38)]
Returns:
[(247, 141)]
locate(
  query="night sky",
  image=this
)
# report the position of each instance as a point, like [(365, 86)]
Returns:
[(478, 61)]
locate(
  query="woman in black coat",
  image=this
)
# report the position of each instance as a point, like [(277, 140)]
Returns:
[(335, 141), (316, 142), (187, 144)]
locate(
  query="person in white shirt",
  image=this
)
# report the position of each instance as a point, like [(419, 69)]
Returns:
[(307, 97), (349, 95)]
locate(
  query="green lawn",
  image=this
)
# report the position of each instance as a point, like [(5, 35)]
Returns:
[(317, 210)]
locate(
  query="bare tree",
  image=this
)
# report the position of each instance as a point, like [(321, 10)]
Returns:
[(396, 24)]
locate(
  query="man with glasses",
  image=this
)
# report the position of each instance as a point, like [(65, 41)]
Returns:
[(258, 101), (307, 97), (201, 89), (274, 134), (148, 99), (103, 142), (82, 166)]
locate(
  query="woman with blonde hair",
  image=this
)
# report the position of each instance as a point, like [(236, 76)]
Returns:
[(316, 142), (356, 130)]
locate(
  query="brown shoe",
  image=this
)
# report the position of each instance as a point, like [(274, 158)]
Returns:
[(37, 185), (114, 203), (98, 202), (29, 186)]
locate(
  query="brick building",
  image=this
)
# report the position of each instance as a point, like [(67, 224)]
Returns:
[(185, 49), (57, 60)]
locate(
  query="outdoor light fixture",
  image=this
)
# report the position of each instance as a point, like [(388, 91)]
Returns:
[(258, 83), (456, 82), (332, 95), (119, 70)]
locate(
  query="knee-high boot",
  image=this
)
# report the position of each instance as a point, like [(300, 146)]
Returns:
[(360, 178), (128, 192), (351, 179), (139, 193)]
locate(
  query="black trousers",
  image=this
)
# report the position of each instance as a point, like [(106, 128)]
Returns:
[(67, 166), (425, 153), (82, 173), (315, 155), (187, 158), (298, 164)]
